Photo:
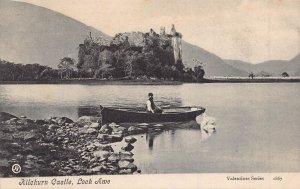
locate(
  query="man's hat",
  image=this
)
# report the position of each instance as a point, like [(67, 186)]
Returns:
[(150, 94)]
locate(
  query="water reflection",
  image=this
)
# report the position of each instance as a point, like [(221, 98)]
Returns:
[(169, 133), (150, 139), (150, 136), (206, 134)]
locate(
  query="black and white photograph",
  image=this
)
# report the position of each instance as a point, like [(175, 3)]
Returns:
[(96, 91)]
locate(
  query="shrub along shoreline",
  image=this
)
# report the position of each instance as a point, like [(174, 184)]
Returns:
[(87, 81), (97, 81)]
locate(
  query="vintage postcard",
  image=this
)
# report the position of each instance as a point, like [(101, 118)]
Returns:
[(149, 94)]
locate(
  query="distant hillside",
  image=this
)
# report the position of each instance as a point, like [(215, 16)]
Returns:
[(241, 65), (33, 34), (214, 65), (274, 67), (294, 66), (296, 59)]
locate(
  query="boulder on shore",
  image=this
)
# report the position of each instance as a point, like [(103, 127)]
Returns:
[(27, 136), (125, 171), (101, 154), (91, 131), (102, 136), (105, 129), (114, 138), (128, 148), (125, 155), (25, 121), (135, 130), (114, 157), (63, 120), (94, 125), (88, 119), (130, 139), (5, 136), (119, 130), (107, 148), (12, 121), (53, 127), (124, 164), (97, 169)]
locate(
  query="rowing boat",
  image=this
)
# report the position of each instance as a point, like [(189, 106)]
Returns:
[(122, 115)]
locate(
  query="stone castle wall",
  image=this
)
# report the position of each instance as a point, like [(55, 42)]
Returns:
[(93, 56)]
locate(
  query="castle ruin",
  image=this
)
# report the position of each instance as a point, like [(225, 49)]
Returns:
[(176, 43), (93, 55)]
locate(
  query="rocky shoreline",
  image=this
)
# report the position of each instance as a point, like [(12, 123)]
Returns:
[(58, 146)]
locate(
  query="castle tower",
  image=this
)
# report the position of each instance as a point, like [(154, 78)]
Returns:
[(176, 43), (162, 31), (152, 32), (173, 30)]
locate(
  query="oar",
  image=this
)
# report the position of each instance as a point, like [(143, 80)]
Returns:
[(168, 107)]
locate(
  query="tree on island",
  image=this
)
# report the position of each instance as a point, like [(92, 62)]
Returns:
[(263, 74), (129, 66), (251, 75), (199, 73), (66, 65), (198, 70), (10, 71), (285, 74)]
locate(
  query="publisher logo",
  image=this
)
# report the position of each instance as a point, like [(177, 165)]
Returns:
[(16, 168)]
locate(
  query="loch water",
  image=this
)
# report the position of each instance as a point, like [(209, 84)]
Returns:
[(258, 124)]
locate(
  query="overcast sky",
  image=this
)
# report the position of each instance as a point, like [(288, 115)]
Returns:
[(249, 30)]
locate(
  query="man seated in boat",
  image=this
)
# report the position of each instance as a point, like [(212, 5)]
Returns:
[(151, 107)]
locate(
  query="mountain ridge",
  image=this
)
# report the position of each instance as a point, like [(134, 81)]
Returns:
[(34, 34), (213, 64), (274, 67)]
